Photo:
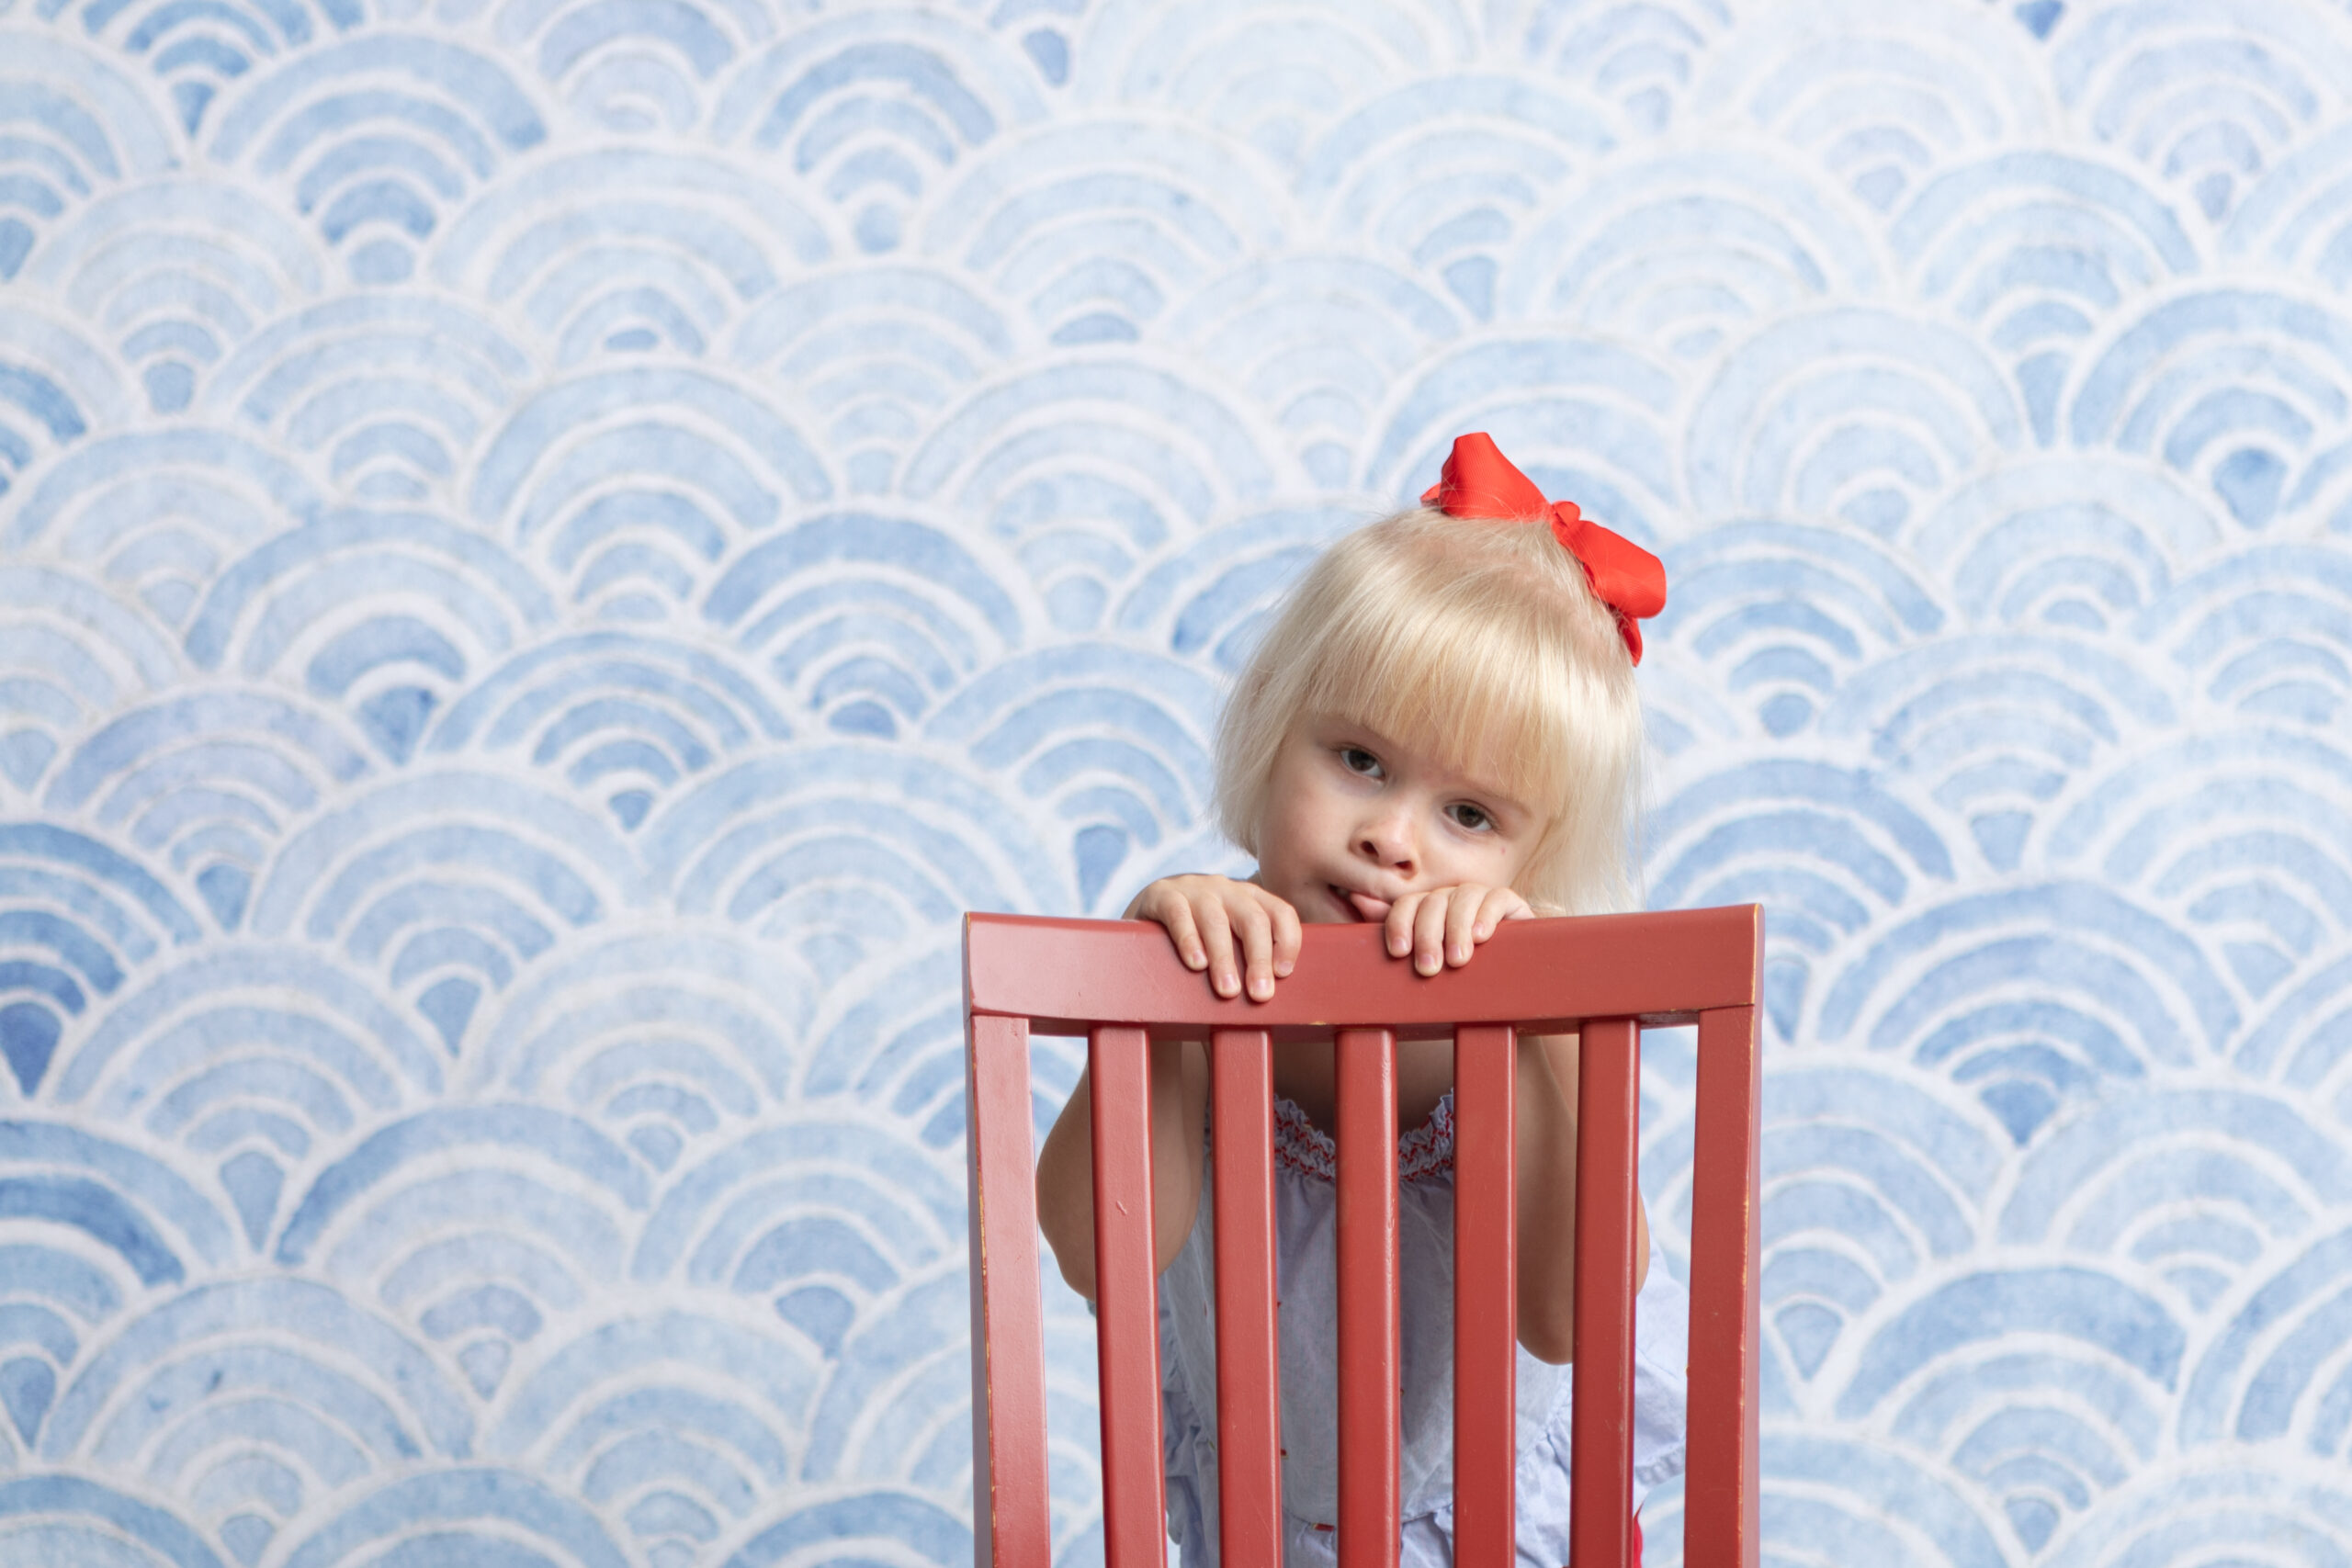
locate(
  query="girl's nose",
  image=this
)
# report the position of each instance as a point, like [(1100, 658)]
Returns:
[(1388, 841)]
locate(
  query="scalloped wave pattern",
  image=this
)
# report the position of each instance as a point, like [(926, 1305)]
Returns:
[(549, 549)]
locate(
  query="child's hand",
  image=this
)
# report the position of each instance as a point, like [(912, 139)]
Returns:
[(1439, 927), (1206, 915)]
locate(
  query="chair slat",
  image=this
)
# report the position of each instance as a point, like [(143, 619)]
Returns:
[(1126, 1328), (1485, 1296), (1011, 1521), (1370, 1480), (1719, 1510), (1249, 1366), (1600, 1510)]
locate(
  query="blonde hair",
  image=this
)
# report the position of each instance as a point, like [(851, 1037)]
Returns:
[(1479, 641)]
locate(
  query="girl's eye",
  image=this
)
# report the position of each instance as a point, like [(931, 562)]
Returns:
[(1465, 815), (1356, 759)]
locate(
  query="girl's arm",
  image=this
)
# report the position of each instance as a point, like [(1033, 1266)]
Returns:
[(1547, 1199), (1179, 1094), (1440, 929), (1241, 934)]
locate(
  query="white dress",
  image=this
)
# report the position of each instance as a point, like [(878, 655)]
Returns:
[(1306, 1254)]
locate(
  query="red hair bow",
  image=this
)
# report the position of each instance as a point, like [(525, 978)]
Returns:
[(1479, 481)]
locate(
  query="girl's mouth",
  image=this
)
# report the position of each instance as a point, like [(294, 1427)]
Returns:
[(1366, 906)]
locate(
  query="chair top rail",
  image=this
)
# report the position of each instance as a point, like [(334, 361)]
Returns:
[(1066, 976)]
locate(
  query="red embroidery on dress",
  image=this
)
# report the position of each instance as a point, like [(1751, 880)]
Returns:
[(1301, 1146), (1427, 1150)]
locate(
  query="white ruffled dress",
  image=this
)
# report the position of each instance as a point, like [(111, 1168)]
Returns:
[(1306, 1214)]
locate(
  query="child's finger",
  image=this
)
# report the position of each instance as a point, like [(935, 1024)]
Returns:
[(1500, 904), (1286, 939), (1217, 935), (1462, 928), (1255, 934), (1429, 932), (1175, 917), (1397, 927)]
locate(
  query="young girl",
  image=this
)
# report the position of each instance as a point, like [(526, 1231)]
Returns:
[(1439, 733)]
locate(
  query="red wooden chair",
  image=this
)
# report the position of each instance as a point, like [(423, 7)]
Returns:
[(1119, 984)]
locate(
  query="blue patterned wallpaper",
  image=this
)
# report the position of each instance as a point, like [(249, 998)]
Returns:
[(550, 547)]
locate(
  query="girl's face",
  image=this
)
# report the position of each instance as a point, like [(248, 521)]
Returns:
[(1354, 820)]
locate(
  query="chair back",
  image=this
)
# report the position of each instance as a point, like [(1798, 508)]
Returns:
[(1119, 985)]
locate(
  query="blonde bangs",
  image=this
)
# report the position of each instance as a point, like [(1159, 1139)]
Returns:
[(1480, 641), (1457, 686)]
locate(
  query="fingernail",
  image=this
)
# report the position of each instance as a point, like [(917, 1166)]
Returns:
[(1283, 968), (1459, 952), (1261, 987)]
